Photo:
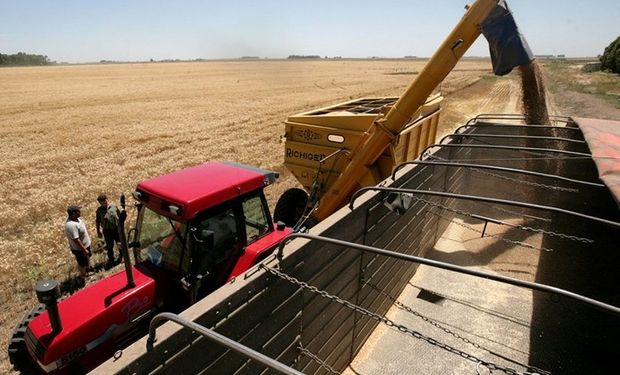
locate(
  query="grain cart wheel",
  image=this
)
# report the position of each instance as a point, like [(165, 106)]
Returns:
[(290, 206), (18, 353)]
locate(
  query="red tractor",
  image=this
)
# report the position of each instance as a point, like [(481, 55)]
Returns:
[(196, 229)]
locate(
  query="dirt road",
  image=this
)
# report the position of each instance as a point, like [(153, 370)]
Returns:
[(582, 94)]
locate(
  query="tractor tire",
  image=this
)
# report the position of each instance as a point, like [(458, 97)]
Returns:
[(18, 353), (290, 206)]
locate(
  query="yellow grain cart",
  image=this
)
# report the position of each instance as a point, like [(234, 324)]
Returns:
[(319, 143), (335, 150)]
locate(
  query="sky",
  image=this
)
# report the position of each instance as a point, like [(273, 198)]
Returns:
[(136, 30)]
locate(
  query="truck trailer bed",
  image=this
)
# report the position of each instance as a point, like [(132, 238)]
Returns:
[(523, 204)]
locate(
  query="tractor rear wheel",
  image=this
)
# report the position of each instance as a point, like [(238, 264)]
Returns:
[(18, 353), (290, 206)]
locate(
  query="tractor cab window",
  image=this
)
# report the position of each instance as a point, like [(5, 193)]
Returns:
[(212, 252), (256, 223), (162, 241)]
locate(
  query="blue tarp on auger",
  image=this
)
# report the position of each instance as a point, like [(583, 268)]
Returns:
[(507, 46)]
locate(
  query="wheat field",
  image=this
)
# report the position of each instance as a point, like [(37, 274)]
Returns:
[(71, 132)]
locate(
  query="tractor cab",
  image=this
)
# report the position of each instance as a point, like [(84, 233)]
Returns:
[(201, 226)]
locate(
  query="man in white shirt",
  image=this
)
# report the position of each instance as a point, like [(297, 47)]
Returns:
[(79, 240)]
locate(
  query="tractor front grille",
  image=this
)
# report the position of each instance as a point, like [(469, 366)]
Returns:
[(34, 345)]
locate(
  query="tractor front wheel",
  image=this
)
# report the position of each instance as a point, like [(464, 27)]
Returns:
[(18, 353)]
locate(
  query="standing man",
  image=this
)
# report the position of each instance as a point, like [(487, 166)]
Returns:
[(107, 222), (79, 240)]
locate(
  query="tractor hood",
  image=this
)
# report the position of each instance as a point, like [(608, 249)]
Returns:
[(90, 317)]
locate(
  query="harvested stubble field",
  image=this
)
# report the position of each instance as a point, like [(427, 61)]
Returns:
[(71, 132)]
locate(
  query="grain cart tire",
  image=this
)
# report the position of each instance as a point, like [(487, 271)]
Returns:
[(18, 353), (290, 206)]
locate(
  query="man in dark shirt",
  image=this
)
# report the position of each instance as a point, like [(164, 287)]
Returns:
[(107, 224)]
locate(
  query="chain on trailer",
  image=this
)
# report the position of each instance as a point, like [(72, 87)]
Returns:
[(483, 234), (550, 233), (435, 324), (417, 314), (539, 152), (477, 141), (522, 227), (390, 323), (467, 303), (427, 155), (511, 179), (299, 226), (317, 187), (517, 213), (317, 360), (501, 222)]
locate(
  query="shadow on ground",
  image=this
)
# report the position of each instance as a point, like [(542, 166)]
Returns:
[(73, 284)]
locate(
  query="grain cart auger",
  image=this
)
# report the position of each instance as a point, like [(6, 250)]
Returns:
[(333, 151)]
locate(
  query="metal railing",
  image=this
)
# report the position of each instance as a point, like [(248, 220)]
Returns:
[(447, 163), (452, 267), (476, 198), (512, 137), (566, 155), (220, 339)]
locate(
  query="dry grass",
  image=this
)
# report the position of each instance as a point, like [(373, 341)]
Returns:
[(577, 93), (71, 132)]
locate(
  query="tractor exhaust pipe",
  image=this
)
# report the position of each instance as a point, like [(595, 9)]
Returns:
[(48, 292), (124, 248)]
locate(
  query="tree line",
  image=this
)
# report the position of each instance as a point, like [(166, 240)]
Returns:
[(23, 59), (303, 57), (610, 60)]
